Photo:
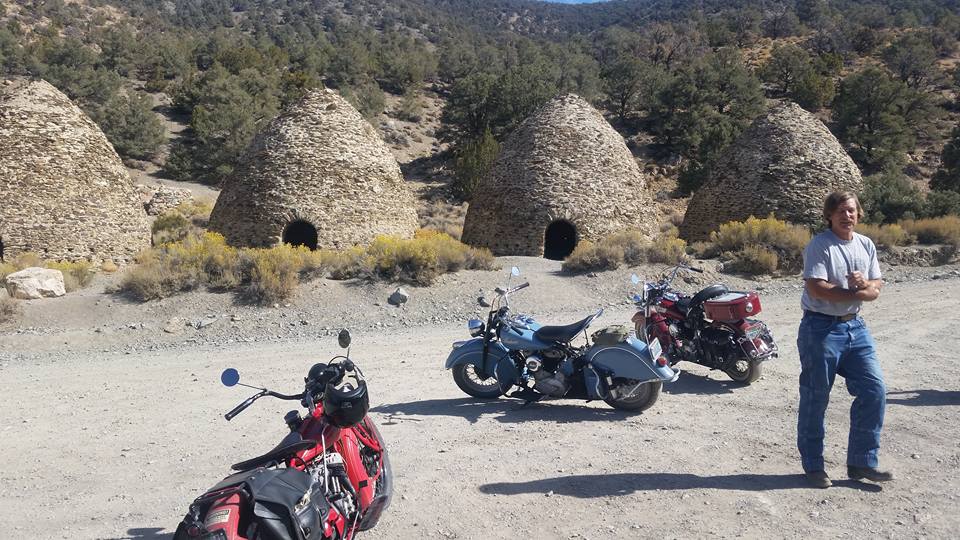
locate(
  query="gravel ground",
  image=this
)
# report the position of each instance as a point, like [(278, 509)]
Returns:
[(112, 416)]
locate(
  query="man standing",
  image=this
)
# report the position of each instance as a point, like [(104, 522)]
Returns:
[(840, 271)]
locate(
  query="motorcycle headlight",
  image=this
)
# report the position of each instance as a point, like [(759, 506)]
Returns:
[(475, 327)]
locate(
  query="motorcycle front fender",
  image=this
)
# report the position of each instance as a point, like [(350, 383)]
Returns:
[(629, 359), (471, 352)]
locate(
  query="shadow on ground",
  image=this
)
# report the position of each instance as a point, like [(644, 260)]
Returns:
[(151, 533), (930, 398), (503, 410), (694, 383), (607, 485)]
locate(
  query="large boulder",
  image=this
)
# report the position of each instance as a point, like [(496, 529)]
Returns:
[(35, 283), (785, 164)]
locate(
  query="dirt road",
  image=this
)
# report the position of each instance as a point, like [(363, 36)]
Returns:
[(114, 445)]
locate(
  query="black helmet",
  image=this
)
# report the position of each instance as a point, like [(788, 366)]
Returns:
[(347, 402)]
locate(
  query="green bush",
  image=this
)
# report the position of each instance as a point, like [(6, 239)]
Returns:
[(667, 249), (474, 160), (890, 197), (942, 203)]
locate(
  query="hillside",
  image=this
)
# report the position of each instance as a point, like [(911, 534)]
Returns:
[(181, 87)]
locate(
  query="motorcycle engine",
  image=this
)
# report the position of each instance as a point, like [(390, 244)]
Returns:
[(718, 346), (551, 382)]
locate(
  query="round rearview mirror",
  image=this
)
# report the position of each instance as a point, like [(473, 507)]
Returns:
[(514, 271), (343, 338), (230, 377), (634, 279)]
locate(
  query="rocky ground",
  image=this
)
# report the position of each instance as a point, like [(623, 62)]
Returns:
[(112, 416)]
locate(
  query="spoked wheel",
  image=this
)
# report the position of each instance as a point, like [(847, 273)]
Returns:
[(474, 384), (745, 371), (627, 395)]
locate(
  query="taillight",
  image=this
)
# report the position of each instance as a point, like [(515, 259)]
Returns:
[(662, 361)]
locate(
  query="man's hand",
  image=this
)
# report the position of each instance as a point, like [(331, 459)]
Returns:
[(856, 281)]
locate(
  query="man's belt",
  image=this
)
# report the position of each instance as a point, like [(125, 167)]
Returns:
[(838, 318)]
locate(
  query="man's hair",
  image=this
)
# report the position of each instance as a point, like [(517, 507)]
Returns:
[(835, 199)]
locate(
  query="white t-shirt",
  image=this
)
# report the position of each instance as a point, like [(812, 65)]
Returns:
[(832, 259)]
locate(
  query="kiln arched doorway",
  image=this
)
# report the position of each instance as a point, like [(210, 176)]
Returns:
[(300, 233), (559, 240)]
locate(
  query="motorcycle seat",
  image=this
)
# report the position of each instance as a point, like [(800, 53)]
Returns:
[(563, 334), (712, 291), (290, 445)]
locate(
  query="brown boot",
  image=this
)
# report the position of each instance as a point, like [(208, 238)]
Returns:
[(818, 479), (868, 473)]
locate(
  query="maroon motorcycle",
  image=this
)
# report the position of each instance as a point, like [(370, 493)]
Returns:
[(712, 328)]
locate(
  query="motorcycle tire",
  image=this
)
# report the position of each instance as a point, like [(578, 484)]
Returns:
[(747, 376), (646, 398), (479, 388)]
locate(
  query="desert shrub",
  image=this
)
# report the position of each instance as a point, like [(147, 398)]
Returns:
[(5, 269), (703, 250), (942, 203), (755, 260), (27, 260), (272, 274), (885, 235), (889, 197), (589, 256), (941, 230), (443, 216), (667, 249), (187, 218), (76, 275), (109, 266), (181, 266), (9, 309), (632, 246), (785, 239), (419, 260)]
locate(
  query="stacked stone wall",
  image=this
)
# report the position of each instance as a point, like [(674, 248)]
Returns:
[(565, 162), (64, 193), (784, 164), (319, 162)]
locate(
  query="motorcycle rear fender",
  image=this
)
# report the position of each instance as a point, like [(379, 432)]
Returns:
[(629, 359), (471, 352)]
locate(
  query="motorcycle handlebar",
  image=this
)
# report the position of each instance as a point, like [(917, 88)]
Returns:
[(246, 403)]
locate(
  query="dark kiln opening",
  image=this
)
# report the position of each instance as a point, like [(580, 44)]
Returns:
[(1, 249), (559, 240), (300, 233)]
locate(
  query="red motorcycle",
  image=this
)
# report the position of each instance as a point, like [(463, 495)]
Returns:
[(712, 328), (327, 479)]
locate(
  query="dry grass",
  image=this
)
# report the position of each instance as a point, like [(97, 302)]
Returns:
[(784, 239), (626, 247), (76, 275), (756, 260), (186, 219), (442, 216), (270, 275), (885, 236), (9, 309), (941, 230)]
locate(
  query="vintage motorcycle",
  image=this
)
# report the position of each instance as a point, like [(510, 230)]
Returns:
[(711, 328), (513, 350), (327, 479)]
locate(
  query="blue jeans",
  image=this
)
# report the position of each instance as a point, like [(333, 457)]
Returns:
[(829, 347)]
